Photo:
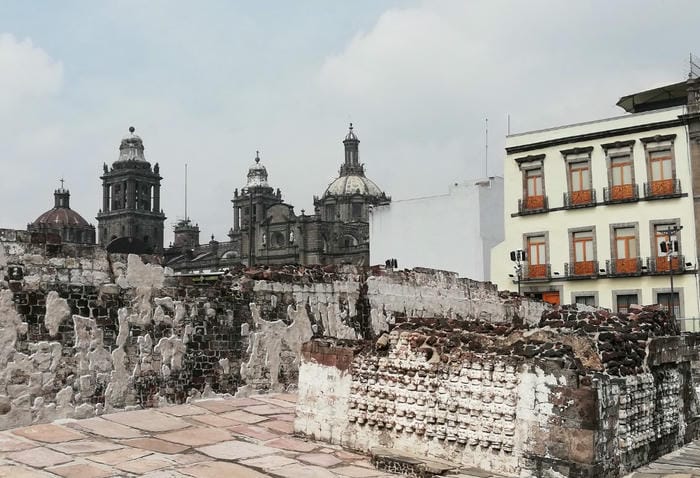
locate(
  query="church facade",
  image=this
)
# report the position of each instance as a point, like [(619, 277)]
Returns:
[(267, 231)]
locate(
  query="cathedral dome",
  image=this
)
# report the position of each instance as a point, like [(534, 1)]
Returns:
[(61, 214), (257, 174), (353, 184)]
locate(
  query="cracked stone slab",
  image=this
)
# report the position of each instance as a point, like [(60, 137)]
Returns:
[(220, 406), (321, 459), (236, 450), (291, 444), (148, 420), (145, 464), (81, 470), (49, 433), (269, 462), (8, 443), (77, 447), (14, 471), (154, 444), (182, 410), (214, 420), (106, 428), (196, 436), (219, 468), (252, 431), (307, 471), (40, 457), (243, 417), (119, 456)]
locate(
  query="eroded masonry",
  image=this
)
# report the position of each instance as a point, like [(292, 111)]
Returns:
[(416, 361), (83, 332), (579, 393)]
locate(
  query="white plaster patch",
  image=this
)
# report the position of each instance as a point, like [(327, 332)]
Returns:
[(57, 311)]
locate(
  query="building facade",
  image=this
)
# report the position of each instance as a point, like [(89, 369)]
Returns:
[(267, 231), (453, 231), (606, 211), (131, 219), (63, 222)]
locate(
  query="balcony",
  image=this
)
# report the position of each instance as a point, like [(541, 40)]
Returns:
[(533, 205), (537, 272), (661, 265), (665, 188), (581, 270), (576, 199), (624, 267), (621, 193)]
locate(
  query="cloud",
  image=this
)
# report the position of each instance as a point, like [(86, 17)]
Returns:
[(28, 72)]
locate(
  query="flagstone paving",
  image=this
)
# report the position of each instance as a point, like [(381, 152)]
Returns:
[(682, 463), (234, 438)]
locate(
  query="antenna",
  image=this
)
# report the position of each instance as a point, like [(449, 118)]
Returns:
[(694, 67), (486, 165), (509, 123), (186, 193)]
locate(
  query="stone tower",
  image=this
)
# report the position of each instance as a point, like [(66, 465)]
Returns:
[(131, 219), (249, 210)]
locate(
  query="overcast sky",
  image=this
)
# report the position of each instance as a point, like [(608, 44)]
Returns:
[(207, 83)]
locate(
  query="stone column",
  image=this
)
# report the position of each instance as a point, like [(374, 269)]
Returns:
[(156, 198), (236, 212), (105, 197), (130, 194)]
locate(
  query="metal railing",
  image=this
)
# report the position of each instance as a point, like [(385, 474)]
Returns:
[(537, 272), (586, 197), (621, 193), (661, 264), (662, 188), (624, 267), (530, 205), (581, 269)]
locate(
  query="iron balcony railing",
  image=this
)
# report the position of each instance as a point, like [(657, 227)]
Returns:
[(537, 271), (621, 193), (661, 264), (533, 204), (624, 267), (586, 197), (662, 188), (581, 269)]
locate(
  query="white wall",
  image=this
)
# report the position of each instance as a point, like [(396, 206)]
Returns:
[(454, 231)]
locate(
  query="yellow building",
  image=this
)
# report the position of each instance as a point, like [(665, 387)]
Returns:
[(605, 210)]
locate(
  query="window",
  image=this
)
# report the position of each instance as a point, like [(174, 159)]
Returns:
[(356, 210), (534, 187), (330, 212), (580, 182), (667, 301), (621, 177), (661, 237), (626, 255), (624, 301), (585, 300), (661, 172), (584, 258), (537, 257)]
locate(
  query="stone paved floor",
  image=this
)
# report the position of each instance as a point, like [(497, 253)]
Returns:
[(232, 438), (683, 463)]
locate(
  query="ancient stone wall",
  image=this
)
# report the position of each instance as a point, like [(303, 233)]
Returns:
[(580, 394), (82, 332)]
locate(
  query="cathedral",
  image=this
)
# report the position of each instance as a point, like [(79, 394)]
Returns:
[(266, 230)]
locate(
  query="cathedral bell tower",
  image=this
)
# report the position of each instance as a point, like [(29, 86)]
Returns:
[(131, 220)]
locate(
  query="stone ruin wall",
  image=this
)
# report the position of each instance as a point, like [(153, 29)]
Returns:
[(83, 332), (541, 401)]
